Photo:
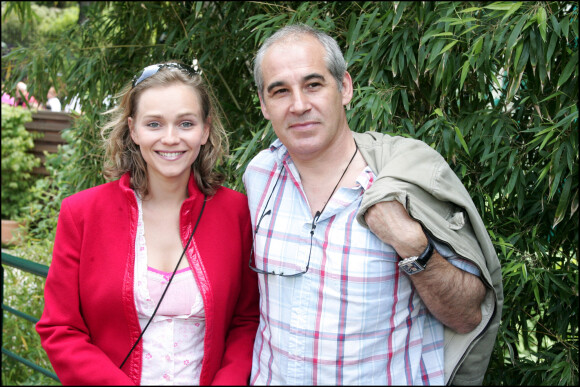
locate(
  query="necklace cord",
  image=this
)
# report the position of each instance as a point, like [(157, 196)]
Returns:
[(168, 283), (318, 213)]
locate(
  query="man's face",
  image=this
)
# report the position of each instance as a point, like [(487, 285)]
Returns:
[(301, 97)]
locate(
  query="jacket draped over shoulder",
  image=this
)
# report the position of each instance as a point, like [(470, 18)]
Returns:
[(418, 177)]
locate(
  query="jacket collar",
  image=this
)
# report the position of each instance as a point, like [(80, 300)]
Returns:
[(193, 190)]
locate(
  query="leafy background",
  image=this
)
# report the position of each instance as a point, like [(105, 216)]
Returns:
[(493, 86)]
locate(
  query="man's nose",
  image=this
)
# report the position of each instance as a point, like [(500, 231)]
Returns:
[(300, 103)]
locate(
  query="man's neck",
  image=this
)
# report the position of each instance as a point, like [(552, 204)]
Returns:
[(325, 163), (321, 175)]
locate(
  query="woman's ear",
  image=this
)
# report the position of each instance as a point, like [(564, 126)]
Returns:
[(131, 125), (206, 129)]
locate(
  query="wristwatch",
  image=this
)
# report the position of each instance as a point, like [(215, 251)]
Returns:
[(417, 263)]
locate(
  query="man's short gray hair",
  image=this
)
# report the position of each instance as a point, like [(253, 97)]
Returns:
[(333, 55)]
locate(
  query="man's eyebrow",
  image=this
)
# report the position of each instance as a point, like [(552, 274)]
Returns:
[(273, 85), (305, 79), (314, 76)]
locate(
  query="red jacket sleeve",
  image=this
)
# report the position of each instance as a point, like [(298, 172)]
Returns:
[(236, 362), (63, 331)]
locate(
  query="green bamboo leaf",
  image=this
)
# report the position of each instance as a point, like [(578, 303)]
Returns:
[(448, 46), (555, 24), (553, 95), (570, 67), (443, 34), (463, 21), (551, 47), (574, 204), (469, 29), (563, 203), (541, 18), (470, 9), (515, 33), (511, 183), (500, 6), (352, 36), (565, 24), (405, 99), (524, 58), (434, 54), (429, 34), (555, 184), (511, 10), (464, 71), (537, 293), (369, 23), (461, 139), (533, 49), (518, 54), (410, 54), (549, 133), (558, 282), (399, 12), (477, 46)]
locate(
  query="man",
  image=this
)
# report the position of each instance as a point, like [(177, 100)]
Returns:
[(339, 302)]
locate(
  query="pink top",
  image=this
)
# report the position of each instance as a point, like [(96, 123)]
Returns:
[(8, 99), (173, 342)]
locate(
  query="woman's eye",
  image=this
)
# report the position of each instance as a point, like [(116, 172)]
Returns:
[(187, 124), (153, 124)]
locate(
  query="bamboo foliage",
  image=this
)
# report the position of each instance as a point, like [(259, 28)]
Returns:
[(493, 86)]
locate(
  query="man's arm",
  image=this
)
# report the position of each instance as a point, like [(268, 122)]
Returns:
[(452, 295)]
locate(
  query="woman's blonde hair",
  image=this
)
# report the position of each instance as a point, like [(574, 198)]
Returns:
[(123, 155)]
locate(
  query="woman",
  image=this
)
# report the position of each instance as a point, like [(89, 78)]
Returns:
[(118, 245)]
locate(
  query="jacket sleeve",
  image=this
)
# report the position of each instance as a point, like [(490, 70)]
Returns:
[(236, 363), (63, 332), (434, 195)]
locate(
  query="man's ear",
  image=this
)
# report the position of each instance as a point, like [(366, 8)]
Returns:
[(347, 90), (263, 107)]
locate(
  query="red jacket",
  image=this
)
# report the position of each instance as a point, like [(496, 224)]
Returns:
[(90, 322)]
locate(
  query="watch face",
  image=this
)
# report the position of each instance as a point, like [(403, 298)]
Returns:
[(411, 267)]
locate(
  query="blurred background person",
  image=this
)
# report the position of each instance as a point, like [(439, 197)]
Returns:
[(53, 103)]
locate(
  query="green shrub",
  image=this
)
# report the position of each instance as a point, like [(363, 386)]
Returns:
[(17, 162), (77, 165), (24, 292)]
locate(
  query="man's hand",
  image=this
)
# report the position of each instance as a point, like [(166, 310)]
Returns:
[(391, 223)]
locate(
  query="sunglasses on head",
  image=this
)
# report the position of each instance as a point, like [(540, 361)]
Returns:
[(153, 69)]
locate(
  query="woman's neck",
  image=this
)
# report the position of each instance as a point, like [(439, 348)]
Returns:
[(166, 193)]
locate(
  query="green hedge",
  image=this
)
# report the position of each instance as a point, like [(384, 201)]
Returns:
[(17, 161)]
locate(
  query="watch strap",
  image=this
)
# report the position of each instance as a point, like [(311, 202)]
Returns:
[(417, 263)]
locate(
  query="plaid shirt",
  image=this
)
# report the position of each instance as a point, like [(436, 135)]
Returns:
[(354, 317)]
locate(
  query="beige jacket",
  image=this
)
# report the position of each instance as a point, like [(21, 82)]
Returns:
[(418, 177)]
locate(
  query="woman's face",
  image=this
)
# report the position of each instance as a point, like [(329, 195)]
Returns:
[(169, 128)]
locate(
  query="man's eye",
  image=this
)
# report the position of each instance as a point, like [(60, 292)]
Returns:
[(280, 91)]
